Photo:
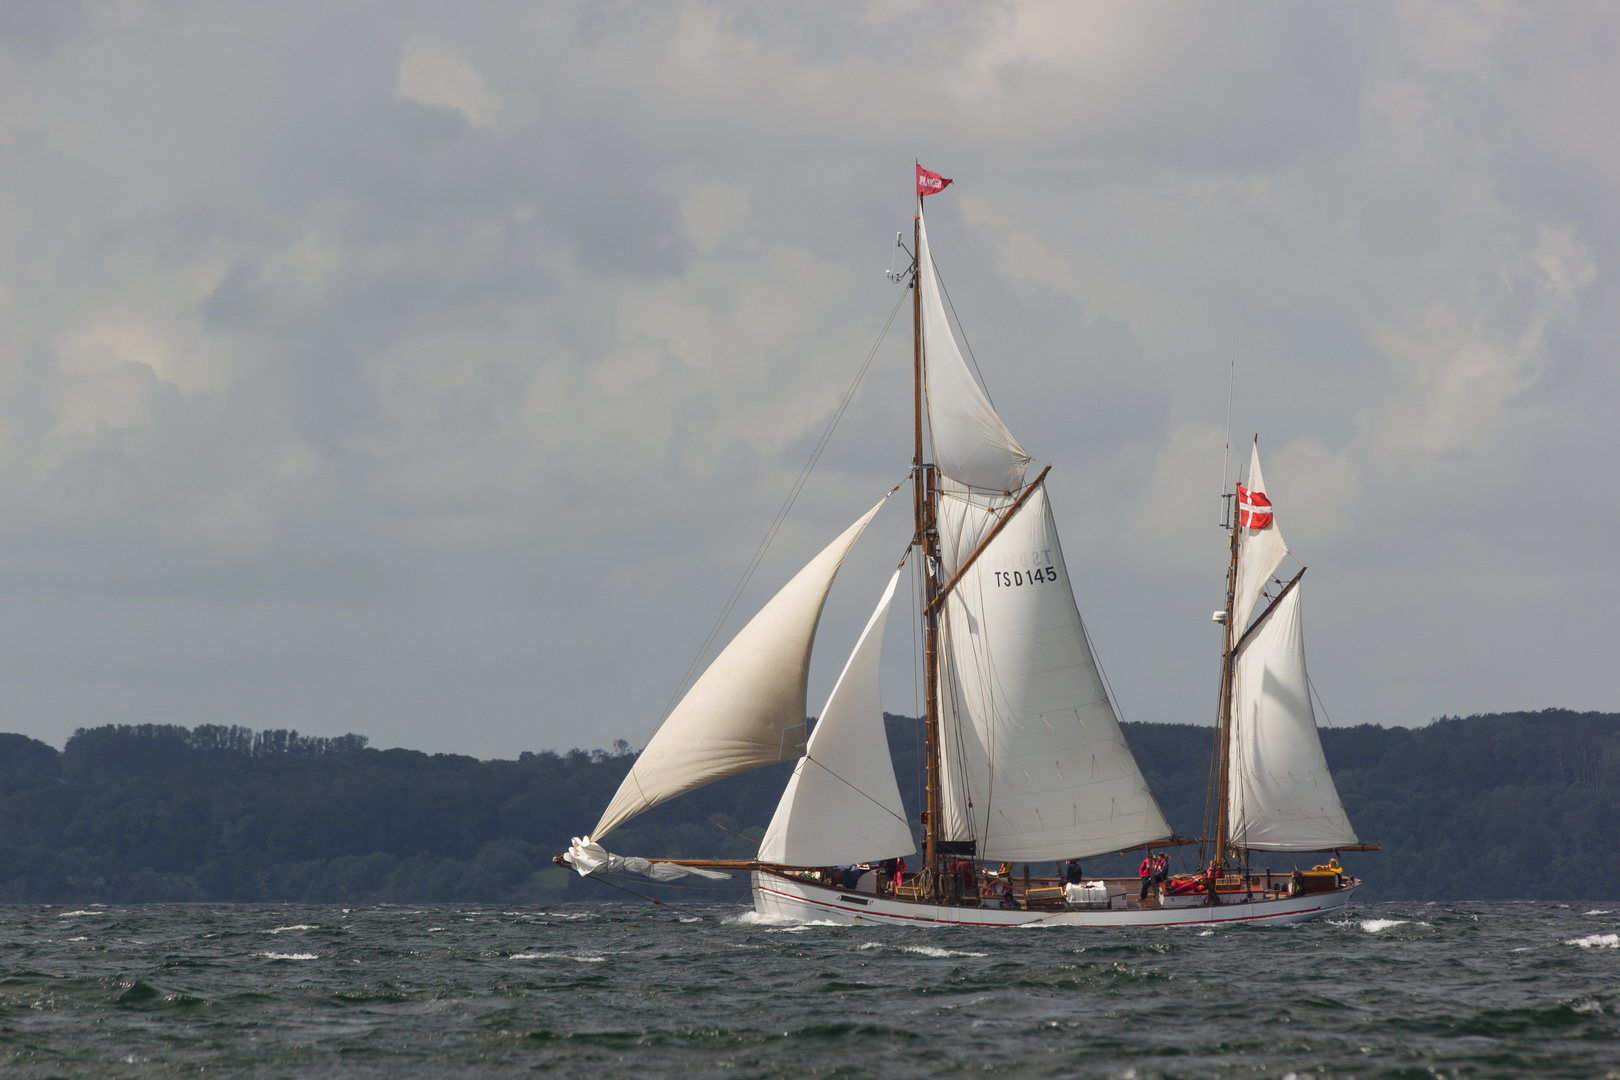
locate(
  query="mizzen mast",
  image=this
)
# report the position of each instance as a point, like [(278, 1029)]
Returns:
[(1223, 751)]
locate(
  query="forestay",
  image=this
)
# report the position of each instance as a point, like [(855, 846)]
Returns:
[(1281, 797), (747, 710), (1035, 765), (842, 804), (971, 444)]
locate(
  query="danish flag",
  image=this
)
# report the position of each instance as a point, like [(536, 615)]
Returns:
[(1254, 509)]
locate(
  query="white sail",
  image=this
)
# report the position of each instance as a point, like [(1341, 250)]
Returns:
[(1260, 552), (748, 708), (1035, 765), (971, 444), (1281, 796), (842, 804)]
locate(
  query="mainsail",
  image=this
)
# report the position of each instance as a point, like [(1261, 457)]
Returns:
[(1035, 764), (1281, 796), (747, 710), (842, 804)]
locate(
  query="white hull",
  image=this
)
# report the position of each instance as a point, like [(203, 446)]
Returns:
[(792, 898)]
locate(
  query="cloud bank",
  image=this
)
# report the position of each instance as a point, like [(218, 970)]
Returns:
[(434, 373)]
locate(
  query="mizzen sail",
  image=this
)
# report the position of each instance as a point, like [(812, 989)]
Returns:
[(1281, 796), (747, 710), (1263, 547)]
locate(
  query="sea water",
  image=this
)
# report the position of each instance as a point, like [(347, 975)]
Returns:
[(616, 991)]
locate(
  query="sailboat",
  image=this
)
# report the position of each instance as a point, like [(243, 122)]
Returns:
[(1026, 761)]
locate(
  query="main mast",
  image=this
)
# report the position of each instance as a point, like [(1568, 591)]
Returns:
[(926, 539), (1228, 668)]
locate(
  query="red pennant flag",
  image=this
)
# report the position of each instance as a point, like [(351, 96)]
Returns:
[(1254, 509), (930, 183)]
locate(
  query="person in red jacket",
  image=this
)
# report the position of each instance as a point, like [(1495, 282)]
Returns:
[(1146, 873)]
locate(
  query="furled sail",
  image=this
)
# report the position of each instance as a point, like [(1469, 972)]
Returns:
[(971, 444), (1281, 796), (1035, 765), (1262, 546), (842, 804), (747, 709)]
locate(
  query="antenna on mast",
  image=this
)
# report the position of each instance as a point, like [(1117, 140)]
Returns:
[(1226, 496), (897, 276)]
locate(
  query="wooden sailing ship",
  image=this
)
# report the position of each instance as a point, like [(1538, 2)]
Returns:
[(1026, 761)]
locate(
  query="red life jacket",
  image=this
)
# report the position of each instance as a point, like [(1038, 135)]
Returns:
[(1147, 867)]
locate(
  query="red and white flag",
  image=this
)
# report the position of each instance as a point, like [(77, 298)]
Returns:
[(1254, 509), (930, 183)]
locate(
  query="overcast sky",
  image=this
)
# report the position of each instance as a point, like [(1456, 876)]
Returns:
[(432, 371)]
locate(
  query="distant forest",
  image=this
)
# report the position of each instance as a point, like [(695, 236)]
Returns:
[(1507, 806)]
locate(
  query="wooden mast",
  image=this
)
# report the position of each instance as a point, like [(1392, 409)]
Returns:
[(925, 538), (1228, 668)]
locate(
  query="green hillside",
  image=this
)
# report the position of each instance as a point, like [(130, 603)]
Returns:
[(1517, 805)]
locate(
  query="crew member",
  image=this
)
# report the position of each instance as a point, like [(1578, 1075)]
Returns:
[(1145, 872)]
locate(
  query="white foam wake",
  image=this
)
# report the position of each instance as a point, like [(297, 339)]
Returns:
[(300, 926), (290, 956), (775, 923), (937, 952), (580, 959), (1596, 941), (1372, 926)]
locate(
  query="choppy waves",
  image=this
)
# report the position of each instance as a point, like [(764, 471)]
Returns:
[(1474, 990)]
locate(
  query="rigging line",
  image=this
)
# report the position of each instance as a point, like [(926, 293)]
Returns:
[(670, 825), (1118, 715), (1318, 695), (708, 819), (644, 896), (781, 514), (1337, 741), (1231, 381), (964, 789), (962, 330), (902, 820), (917, 730)]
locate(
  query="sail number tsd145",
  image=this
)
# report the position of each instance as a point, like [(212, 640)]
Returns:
[(1012, 579)]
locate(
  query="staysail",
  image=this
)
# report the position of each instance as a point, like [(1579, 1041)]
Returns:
[(1281, 796), (1035, 764), (1262, 546), (971, 444), (747, 710), (842, 804)]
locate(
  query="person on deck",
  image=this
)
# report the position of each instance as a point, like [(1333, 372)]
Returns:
[(1161, 868), (899, 873), (1072, 872), (1146, 872), (1209, 883)]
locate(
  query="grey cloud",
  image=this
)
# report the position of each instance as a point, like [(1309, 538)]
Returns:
[(453, 420)]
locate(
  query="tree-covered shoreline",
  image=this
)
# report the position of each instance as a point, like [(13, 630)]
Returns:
[(1503, 806)]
